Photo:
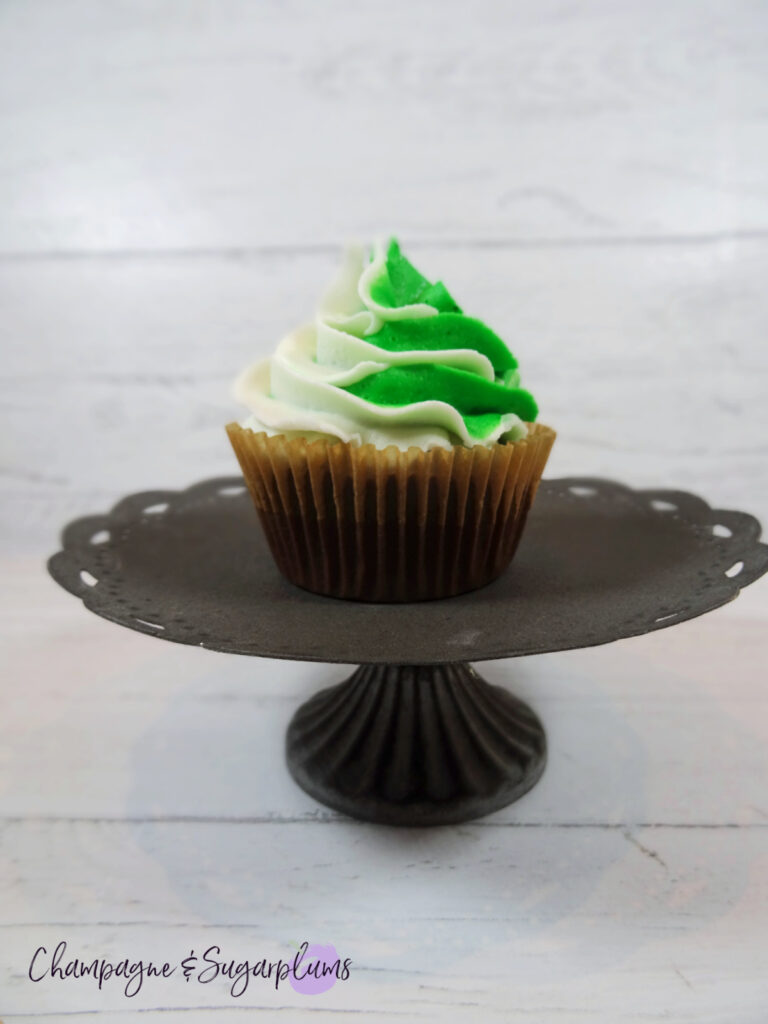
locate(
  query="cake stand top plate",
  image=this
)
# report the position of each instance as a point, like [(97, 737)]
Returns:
[(598, 562)]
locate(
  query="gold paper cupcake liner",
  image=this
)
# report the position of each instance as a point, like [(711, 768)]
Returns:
[(370, 524)]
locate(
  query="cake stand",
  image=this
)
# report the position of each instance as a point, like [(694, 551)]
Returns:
[(414, 736)]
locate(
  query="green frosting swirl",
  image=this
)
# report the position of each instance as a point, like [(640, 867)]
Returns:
[(390, 359), (480, 402)]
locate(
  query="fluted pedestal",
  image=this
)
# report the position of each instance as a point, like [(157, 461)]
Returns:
[(415, 745)]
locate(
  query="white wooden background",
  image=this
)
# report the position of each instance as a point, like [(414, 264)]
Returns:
[(176, 179)]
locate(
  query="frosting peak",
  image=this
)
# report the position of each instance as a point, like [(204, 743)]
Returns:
[(389, 359)]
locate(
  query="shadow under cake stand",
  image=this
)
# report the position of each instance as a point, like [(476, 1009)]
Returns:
[(414, 736)]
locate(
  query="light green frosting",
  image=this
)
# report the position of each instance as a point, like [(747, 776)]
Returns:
[(390, 359)]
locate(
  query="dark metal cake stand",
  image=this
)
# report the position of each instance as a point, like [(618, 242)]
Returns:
[(414, 736)]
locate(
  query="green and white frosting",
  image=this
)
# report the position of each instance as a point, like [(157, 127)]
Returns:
[(389, 360)]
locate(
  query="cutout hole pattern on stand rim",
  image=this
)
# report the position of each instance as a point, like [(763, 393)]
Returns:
[(92, 564)]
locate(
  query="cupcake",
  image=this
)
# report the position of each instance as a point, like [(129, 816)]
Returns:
[(390, 451)]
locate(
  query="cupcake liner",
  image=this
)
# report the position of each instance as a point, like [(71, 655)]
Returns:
[(370, 524)]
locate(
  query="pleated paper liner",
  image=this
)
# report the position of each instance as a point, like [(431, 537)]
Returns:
[(368, 524)]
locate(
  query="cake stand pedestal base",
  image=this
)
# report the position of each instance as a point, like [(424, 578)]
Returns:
[(415, 745)]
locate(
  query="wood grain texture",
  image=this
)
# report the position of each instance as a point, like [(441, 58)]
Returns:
[(499, 923), (175, 182), (191, 125)]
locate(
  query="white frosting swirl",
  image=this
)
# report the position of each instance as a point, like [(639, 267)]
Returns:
[(299, 390)]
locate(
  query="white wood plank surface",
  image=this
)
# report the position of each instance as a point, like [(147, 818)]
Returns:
[(176, 180), (503, 924), (178, 125)]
